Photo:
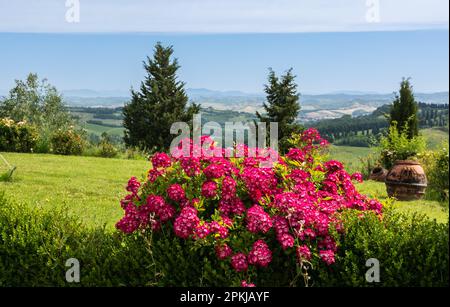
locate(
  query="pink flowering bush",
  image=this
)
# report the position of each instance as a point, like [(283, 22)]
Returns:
[(244, 218)]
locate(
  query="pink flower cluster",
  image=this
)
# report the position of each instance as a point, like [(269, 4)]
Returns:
[(258, 220), (186, 222), (260, 255), (220, 201)]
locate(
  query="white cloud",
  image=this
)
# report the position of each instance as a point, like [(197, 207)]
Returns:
[(222, 16)]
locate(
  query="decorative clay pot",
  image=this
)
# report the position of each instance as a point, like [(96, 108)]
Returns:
[(378, 174), (406, 180)]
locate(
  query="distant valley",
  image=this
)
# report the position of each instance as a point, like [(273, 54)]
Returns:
[(313, 107)]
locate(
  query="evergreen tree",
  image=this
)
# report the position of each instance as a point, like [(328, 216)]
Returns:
[(160, 102), (282, 106), (404, 110)]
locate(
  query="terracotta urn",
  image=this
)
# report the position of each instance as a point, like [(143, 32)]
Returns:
[(406, 180), (378, 174)]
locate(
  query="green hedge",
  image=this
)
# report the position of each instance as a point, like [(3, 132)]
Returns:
[(412, 251), (35, 244), (19, 137)]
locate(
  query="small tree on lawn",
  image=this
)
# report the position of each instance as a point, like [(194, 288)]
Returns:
[(160, 102), (404, 110), (37, 102), (282, 106)]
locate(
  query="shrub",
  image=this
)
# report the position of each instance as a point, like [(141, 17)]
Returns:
[(106, 148), (134, 153), (17, 136), (436, 164), (36, 243), (397, 146), (67, 142), (242, 217), (412, 251), (368, 163)]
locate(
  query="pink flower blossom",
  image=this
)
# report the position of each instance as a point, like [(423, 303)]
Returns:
[(303, 253), (154, 174), (228, 188), (327, 256), (333, 166), (223, 251), (176, 193), (258, 220), (260, 255), (214, 171), (133, 185), (209, 189), (296, 154), (190, 165), (219, 229), (158, 205), (239, 262), (202, 230), (358, 177), (161, 160), (243, 198), (244, 284), (186, 222), (286, 240)]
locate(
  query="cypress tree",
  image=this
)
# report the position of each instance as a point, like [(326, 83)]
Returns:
[(404, 110), (282, 106), (160, 102)]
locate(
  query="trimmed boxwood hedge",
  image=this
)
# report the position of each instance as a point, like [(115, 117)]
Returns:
[(35, 244)]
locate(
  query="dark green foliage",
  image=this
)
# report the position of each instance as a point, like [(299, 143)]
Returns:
[(160, 102), (18, 137), (412, 251), (433, 115), (36, 243), (404, 110), (436, 164), (36, 102), (282, 106), (101, 123), (398, 146), (106, 148), (364, 130), (181, 264), (67, 142)]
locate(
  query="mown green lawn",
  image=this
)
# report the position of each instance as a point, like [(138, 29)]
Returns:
[(432, 209), (98, 129), (349, 156), (91, 188), (434, 137)]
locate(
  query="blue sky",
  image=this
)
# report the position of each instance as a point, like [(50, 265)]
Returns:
[(228, 45)]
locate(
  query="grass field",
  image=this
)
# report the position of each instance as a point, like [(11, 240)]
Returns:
[(349, 156), (91, 188), (98, 129), (432, 209), (434, 137)]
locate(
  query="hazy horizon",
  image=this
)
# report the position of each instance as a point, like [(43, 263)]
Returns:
[(228, 45)]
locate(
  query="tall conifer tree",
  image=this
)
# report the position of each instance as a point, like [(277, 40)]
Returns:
[(282, 106), (160, 102), (404, 110)]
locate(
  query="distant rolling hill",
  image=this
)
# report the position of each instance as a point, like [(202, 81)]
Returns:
[(314, 107)]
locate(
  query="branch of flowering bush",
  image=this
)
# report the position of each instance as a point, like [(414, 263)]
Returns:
[(246, 211)]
